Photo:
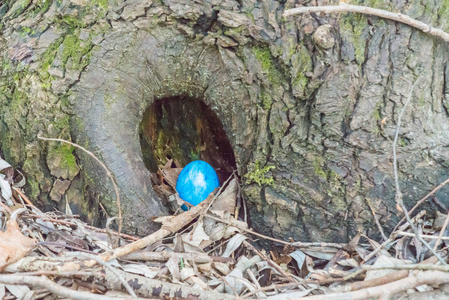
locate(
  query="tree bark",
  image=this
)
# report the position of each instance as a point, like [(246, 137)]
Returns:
[(316, 96)]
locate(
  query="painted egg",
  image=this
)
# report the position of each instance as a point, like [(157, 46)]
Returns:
[(196, 181)]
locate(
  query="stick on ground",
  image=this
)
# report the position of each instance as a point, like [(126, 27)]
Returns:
[(44, 282), (170, 226)]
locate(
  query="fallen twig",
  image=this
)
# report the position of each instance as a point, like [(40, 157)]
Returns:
[(70, 223), (198, 258), (415, 280), (108, 173), (398, 17), (395, 160), (256, 283), (376, 219), (399, 203), (24, 197), (269, 261), (299, 245), (425, 267), (425, 198), (172, 225), (107, 266), (6, 208), (147, 287), (62, 274), (44, 282), (424, 236), (392, 236)]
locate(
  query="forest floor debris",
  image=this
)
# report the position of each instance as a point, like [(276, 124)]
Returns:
[(207, 252)]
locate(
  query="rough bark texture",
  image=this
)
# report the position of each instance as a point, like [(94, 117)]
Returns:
[(315, 96)]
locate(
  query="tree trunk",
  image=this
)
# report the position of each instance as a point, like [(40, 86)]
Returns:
[(316, 96)]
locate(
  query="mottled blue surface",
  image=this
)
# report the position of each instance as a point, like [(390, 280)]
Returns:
[(196, 181)]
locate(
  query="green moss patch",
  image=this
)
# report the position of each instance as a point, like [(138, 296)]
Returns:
[(257, 174), (77, 50), (62, 162), (263, 55), (352, 28)]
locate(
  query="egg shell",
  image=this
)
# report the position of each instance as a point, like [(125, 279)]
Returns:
[(196, 181)]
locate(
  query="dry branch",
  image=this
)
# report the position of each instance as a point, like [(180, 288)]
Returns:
[(399, 203), (417, 279), (398, 17), (393, 236), (198, 258), (424, 265), (170, 226), (299, 245), (147, 287), (424, 236), (44, 282), (269, 261), (109, 267)]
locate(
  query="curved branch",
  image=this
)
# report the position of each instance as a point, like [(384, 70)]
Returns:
[(108, 173), (398, 17)]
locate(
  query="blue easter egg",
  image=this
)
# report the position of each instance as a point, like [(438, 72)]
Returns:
[(196, 181)]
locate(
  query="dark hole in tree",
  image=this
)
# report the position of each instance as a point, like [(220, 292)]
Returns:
[(185, 129)]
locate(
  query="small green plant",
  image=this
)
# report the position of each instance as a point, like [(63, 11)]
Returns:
[(257, 175)]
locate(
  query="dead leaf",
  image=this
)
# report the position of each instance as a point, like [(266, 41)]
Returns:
[(222, 267), (6, 169), (350, 262), (376, 245), (340, 255), (285, 259), (197, 237), (350, 247), (29, 296), (13, 244), (227, 199), (4, 164), (186, 273), (204, 268), (173, 266), (230, 231), (2, 291), (19, 291), (234, 281), (387, 262), (310, 264), (218, 232), (299, 257), (169, 174), (288, 248), (63, 238), (439, 221), (233, 244), (179, 245), (320, 254), (5, 188)]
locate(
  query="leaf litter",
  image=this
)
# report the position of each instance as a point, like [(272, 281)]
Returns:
[(213, 255)]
